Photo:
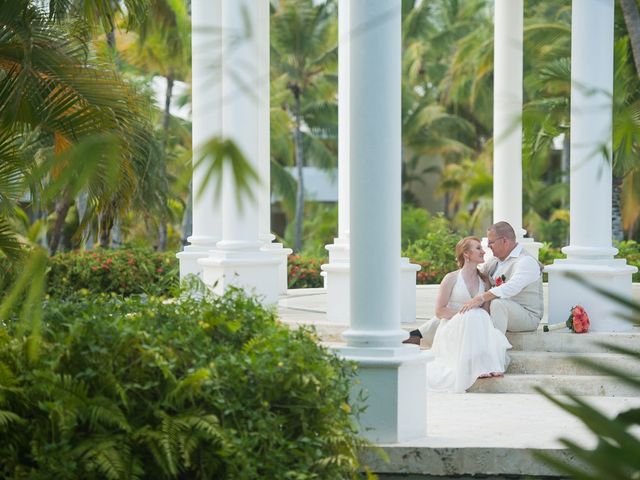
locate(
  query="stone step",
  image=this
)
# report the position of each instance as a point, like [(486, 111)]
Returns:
[(592, 385), (555, 341), (564, 363), (559, 341)]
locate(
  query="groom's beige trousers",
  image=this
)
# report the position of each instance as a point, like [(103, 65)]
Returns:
[(505, 315), (428, 330), (509, 315)]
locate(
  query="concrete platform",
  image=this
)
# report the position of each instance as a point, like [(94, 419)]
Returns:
[(490, 434), (495, 431)]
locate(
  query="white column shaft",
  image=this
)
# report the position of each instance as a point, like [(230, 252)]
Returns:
[(591, 122), (507, 111), (590, 253), (240, 79), (206, 114), (375, 49), (343, 118), (264, 134)]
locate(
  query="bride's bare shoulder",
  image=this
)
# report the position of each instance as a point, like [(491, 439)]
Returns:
[(450, 277)]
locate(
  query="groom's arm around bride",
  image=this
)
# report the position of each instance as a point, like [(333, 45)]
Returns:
[(516, 302), (516, 297)]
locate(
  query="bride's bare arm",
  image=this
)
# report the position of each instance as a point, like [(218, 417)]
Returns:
[(444, 293)]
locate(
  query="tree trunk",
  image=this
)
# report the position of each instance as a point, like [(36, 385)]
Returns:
[(116, 233), (632, 20), (187, 217), (104, 230), (61, 209), (297, 145), (87, 234), (616, 209), (166, 121)]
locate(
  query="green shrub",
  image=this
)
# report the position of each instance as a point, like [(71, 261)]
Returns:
[(547, 254), (304, 272), (193, 389), (122, 271), (430, 243), (434, 250), (630, 250)]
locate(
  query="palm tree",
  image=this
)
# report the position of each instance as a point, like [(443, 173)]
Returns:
[(303, 59), (632, 22), (443, 115), (163, 49), (53, 92), (547, 87)]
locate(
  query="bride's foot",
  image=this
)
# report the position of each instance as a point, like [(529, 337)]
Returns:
[(485, 375), (496, 374)]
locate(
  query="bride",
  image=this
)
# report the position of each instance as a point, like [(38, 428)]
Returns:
[(466, 346)]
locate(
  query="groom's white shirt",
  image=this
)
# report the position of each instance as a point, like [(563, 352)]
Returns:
[(525, 272)]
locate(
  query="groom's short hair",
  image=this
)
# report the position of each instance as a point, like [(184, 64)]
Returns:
[(503, 229)]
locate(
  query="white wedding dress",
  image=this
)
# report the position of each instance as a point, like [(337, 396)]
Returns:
[(466, 346)]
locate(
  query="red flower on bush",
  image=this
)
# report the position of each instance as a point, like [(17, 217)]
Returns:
[(578, 320)]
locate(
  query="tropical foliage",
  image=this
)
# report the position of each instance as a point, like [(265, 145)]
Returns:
[(304, 46), (211, 388), (67, 117)]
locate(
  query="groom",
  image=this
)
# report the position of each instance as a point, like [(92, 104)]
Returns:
[(516, 293)]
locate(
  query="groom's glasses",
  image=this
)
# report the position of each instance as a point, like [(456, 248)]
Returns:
[(491, 242)]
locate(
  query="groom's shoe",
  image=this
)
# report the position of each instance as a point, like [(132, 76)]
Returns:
[(414, 337)]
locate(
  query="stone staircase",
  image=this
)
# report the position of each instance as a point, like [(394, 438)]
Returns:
[(554, 360), (494, 431)]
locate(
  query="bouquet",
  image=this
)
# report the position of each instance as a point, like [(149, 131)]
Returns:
[(578, 320)]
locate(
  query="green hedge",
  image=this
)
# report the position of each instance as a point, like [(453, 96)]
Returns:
[(304, 272), (436, 255), (129, 272), (196, 389), (122, 271)]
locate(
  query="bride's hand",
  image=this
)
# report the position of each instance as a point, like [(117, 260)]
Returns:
[(475, 302)]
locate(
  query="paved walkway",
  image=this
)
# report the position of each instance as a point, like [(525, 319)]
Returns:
[(467, 434)]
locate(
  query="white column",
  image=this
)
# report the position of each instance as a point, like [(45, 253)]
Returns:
[(507, 113), (392, 374), (344, 125), (590, 253), (206, 100), (337, 271), (237, 259), (264, 148)]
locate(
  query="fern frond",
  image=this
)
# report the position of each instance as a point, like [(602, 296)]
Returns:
[(7, 417), (102, 411), (107, 456)]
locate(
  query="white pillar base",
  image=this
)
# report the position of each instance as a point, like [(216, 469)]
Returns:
[(338, 254), (337, 274), (531, 246), (614, 275), (255, 271), (394, 383), (188, 258), (281, 254)]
